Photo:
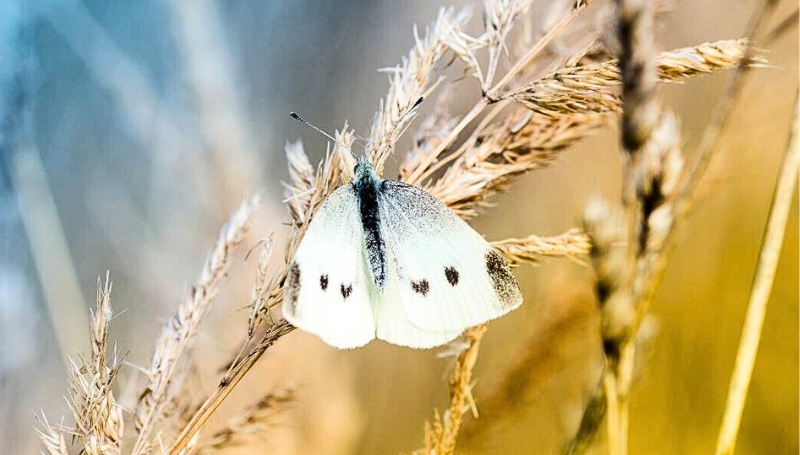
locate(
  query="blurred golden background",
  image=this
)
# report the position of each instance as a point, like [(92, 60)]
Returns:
[(131, 130)]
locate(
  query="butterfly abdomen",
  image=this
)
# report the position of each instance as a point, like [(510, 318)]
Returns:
[(366, 189)]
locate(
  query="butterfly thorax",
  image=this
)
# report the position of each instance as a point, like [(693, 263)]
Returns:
[(367, 189)]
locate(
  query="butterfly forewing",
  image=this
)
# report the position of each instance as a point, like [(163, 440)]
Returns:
[(449, 277), (327, 290)]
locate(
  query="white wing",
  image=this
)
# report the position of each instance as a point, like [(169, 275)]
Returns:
[(394, 326), (327, 289), (449, 277)]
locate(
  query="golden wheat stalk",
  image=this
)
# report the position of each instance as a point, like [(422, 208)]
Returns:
[(227, 384), (653, 165)]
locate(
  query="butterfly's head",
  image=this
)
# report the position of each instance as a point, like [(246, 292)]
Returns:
[(364, 170)]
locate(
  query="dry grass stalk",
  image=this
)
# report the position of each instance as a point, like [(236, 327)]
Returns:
[(656, 204), (761, 289), (98, 418), (53, 438), (182, 328), (298, 190), (251, 425), (521, 143), (499, 18), (526, 141), (430, 133), (408, 82), (653, 166), (585, 88), (649, 277), (226, 385), (492, 95), (264, 284), (713, 130), (440, 436), (536, 366), (328, 177), (572, 244)]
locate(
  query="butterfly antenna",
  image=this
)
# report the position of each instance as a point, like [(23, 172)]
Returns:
[(402, 117), (305, 122)]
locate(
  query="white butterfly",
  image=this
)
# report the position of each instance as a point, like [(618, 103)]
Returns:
[(385, 259)]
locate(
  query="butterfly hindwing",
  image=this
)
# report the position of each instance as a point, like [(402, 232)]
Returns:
[(327, 290), (393, 324), (449, 277)]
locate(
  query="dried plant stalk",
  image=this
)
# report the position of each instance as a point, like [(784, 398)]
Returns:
[(521, 143), (760, 292), (713, 130), (181, 328), (492, 95), (592, 87), (527, 141), (654, 199), (52, 437), (410, 81), (227, 384), (573, 244), (98, 417), (300, 187), (250, 426), (440, 437), (653, 164), (328, 177)]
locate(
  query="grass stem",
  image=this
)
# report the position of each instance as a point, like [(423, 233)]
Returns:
[(759, 295)]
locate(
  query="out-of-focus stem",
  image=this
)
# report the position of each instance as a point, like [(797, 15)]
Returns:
[(759, 295), (51, 255)]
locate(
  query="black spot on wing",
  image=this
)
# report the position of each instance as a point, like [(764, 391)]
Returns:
[(346, 290), (291, 288), (323, 282), (452, 275), (421, 287), (503, 281)]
